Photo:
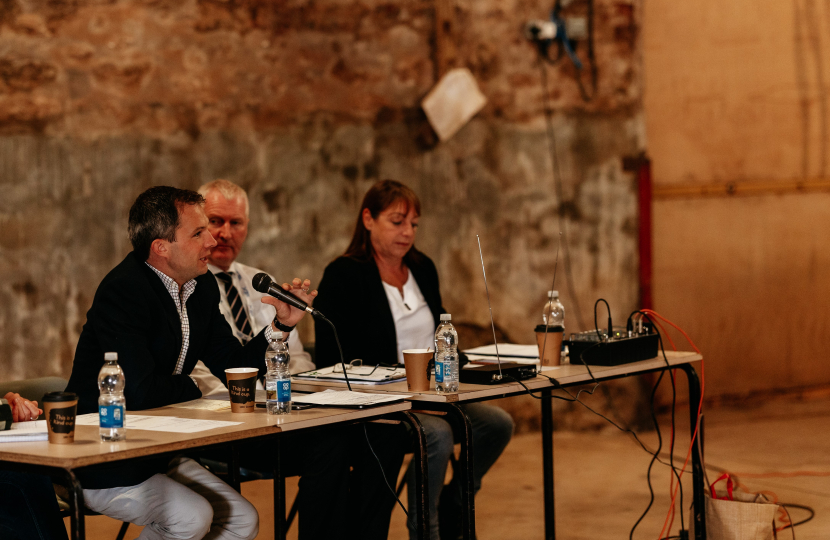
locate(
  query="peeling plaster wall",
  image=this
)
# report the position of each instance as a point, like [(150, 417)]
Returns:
[(306, 105)]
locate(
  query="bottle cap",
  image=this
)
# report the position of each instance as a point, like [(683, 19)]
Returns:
[(110, 356), (553, 294), (446, 317), (277, 336)]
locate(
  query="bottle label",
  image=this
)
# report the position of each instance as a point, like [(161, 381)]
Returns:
[(439, 372), (110, 416), (283, 391)]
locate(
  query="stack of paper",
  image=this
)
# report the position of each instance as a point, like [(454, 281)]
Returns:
[(345, 398), (508, 352), (25, 431)]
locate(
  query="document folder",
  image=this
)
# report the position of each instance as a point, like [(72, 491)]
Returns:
[(357, 374)]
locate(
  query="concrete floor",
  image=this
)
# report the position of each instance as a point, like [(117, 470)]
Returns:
[(601, 485)]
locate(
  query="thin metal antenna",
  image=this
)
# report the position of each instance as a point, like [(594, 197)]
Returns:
[(492, 324), (552, 286)]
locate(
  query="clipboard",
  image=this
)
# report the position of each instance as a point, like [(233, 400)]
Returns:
[(379, 374)]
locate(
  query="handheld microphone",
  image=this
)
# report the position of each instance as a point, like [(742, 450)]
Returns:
[(264, 284)]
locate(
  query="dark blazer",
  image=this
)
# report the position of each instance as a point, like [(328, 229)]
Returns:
[(134, 315), (351, 295)]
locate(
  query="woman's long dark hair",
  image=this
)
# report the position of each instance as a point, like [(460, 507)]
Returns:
[(381, 196)]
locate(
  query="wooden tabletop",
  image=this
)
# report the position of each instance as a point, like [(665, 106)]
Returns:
[(567, 375), (88, 450)]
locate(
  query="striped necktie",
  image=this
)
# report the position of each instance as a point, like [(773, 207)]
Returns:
[(237, 309)]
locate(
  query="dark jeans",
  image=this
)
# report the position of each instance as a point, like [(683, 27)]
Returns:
[(28, 508), (374, 477), (492, 429)]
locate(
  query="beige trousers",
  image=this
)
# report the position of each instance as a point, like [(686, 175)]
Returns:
[(188, 503)]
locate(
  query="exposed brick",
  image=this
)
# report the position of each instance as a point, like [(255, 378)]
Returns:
[(26, 74), (306, 104)]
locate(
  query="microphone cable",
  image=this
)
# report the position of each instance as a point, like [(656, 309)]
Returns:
[(322, 317)]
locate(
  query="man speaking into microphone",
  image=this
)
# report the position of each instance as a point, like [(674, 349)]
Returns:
[(159, 310)]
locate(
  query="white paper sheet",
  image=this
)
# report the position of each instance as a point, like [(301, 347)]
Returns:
[(90, 419), (204, 404), (171, 424), (507, 349), (482, 359), (550, 368), (346, 398), (25, 431)]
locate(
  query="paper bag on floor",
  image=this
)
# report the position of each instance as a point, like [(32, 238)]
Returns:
[(737, 516)]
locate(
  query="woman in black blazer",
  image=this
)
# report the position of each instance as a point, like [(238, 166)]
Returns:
[(383, 297)]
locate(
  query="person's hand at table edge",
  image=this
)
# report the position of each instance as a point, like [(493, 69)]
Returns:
[(23, 410)]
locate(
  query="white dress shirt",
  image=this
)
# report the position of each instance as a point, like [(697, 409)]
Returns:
[(180, 301), (414, 325), (259, 316)]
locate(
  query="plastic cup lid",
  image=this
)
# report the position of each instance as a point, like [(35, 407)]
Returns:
[(242, 370), (60, 396)]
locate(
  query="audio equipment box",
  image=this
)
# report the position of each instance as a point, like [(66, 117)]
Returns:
[(489, 373), (594, 350)]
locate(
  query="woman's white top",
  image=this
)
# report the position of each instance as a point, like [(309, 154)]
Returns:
[(414, 325)]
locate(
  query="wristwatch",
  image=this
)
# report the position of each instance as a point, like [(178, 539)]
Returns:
[(284, 328)]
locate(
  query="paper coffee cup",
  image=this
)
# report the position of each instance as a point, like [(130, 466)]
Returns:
[(60, 409), (550, 339), (242, 388), (416, 362)]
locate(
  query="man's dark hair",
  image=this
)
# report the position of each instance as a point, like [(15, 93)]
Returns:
[(155, 214)]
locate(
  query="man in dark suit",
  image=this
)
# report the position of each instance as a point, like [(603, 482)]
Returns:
[(159, 310)]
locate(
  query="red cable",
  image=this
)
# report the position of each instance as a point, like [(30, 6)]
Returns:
[(672, 507)]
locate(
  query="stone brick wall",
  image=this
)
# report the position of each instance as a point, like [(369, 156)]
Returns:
[(306, 104)]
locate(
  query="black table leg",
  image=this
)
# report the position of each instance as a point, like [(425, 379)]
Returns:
[(698, 487), (468, 489), (233, 468), (421, 475), (76, 506), (279, 493), (547, 464)]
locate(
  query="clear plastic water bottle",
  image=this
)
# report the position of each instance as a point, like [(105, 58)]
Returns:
[(112, 405), (446, 356), (277, 378), (554, 312)]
